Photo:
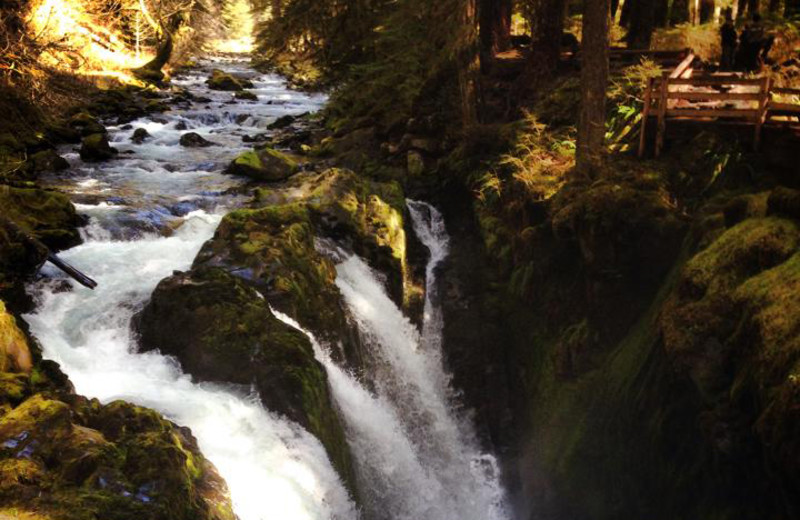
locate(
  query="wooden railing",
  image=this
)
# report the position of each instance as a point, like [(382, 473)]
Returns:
[(706, 98)]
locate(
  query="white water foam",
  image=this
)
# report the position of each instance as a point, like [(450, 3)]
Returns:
[(415, 458)]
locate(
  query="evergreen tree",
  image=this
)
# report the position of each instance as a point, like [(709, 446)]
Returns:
[(594, 81)]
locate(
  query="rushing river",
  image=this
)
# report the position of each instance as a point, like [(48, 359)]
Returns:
[(150, 212)]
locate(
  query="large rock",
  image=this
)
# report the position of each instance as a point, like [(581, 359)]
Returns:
[(95, 148), (195, 140), (86, 124), (15, 356), (48, 215), (48, 161), (220, 80), (264, 164), (67, 457), (273, 249), (64, 456), (230, 335)]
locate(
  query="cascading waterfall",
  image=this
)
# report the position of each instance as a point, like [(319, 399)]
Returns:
[(150, 212), (416, 459), (274, 468)]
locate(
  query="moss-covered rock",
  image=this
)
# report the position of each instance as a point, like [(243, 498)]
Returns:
[(86, 124), (73, 459), (232, 336), (48, 161), (65, 457), (15, 356), (220, 80), (95, 148), (264, 164), (245, 95), (273, 249), (45, 214)]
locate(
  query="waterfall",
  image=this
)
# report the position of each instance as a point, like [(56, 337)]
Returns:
[(416, 459), (150, 212)]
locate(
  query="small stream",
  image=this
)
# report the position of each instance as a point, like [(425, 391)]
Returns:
[(150, 211)]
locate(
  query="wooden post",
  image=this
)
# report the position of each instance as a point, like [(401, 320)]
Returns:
[(662, 113), (761, 114), (645, 116)]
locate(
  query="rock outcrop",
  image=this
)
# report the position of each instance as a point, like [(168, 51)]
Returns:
[(232, 336), (63, 456), (264, 164), (220, 80), (95, 148)]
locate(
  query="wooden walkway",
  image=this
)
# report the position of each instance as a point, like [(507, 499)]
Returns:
[(682, 95)]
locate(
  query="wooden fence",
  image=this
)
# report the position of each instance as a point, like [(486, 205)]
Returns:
[(710, 98)]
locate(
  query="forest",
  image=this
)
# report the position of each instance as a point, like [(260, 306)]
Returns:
[(399, 259)]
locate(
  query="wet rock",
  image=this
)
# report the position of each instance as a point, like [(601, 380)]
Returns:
[(48, 161), (195, 140), (95, 148), (258, 138), (282, 122), (181, 125), (86, 124), (68, 454), (47, 215), (220, 80), (140, 135), (232, 336), (15, 356), (244, 95), (264, 164)]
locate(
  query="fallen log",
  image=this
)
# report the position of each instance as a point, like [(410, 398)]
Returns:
[(71, 271)]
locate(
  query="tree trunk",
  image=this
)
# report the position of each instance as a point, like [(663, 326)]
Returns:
[(775, 7), (662, 13), (614, 8), (495, 26), (707, 8), (753, 6), (594, 81), (680, 12), (468, 63), (643, 16), (546, 39)]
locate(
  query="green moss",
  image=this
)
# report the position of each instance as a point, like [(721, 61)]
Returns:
[(233, 337), (48, 215), (81, 461), (700, 309)]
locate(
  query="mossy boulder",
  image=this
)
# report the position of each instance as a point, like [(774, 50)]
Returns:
[(273, 249), (15, 356), (220, 80), (245, 95), (95, 148), (48, 161), (69, 458), (232, 336), (368, 218), (264, 164), (86, 124), (194, 140), (47, 215)]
